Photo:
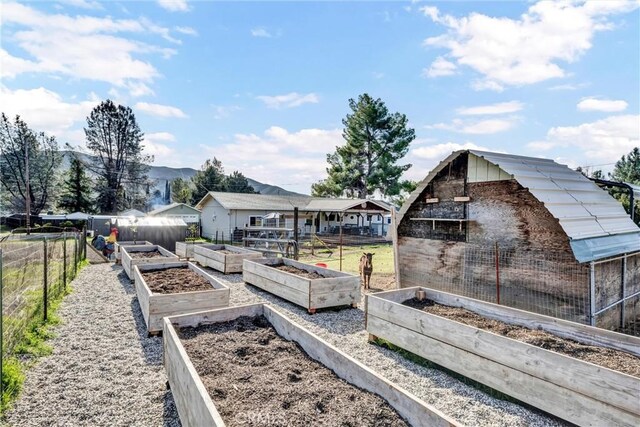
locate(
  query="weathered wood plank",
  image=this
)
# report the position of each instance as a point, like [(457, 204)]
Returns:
[(562, 328), (603, 384), (274, 287), (157, 306), (210, 256), (574, 407), (192, 401), (128, 262), (185, 382)]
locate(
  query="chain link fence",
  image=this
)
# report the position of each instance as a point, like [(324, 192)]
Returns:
[(34, 271)]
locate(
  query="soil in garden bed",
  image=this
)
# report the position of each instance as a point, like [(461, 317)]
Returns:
[(256, 378), (613, 359), (300, 272), (175, 280), (151, 254)]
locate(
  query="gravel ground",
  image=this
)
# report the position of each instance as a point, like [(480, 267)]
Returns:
[(105, 371)]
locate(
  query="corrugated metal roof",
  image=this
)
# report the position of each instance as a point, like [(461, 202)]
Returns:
[(151, 221), (266, 202), (583, 209), (171, 206)]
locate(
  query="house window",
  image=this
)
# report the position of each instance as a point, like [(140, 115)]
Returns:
[(332, 217), (369, 217), (255, 221), (389, 220)]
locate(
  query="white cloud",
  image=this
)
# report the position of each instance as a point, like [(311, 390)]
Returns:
[(569, 86), (81, 47), (440, 151), (440, 67), (160, 137), (480, 127), (605, 105), (286, 158), (261, 32), (83, 4), (498, 108), (186, 30), (44, 110), (603, 140), (224, 111), (289, 100), (160, 110), (377, 75), (515, 52), (155, 144), (174, 5)]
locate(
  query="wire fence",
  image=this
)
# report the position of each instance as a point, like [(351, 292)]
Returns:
[(545, 282), (34, 271)]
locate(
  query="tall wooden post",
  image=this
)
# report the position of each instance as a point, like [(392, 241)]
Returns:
[(497, 274), (295, 232), (341, 218)]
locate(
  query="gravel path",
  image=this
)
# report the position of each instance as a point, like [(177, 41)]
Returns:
[(106, 372)]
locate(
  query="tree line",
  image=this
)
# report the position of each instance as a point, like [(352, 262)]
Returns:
[(113, 177)]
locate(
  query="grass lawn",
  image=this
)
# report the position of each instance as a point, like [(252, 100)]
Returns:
[(383, 276)]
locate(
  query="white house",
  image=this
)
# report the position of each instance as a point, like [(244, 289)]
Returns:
[(183, 211), (226, 212)]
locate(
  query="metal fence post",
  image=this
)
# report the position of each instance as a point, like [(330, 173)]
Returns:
[(64, 260), (75, 255), (46, 273)]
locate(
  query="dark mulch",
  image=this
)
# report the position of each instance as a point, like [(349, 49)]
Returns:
[(175, 280), (255, 377), (613, 359), (300, 272)]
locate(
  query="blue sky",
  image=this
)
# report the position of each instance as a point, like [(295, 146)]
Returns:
[(263, 86)]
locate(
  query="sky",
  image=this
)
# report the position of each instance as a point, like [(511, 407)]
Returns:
[(264, 86)]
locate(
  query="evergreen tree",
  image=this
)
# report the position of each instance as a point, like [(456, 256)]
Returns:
[(44, 159), (238, 183), (167, 193), (627, 169), (210, 177), (115, 139), (375, 141), (181, 191), (76, 193)]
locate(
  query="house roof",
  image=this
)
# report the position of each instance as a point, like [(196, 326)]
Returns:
[(132, 212), (596, 223), (264, 202), (150, 221), (166, 208)]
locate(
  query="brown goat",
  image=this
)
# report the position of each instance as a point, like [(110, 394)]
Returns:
[(366, 268)]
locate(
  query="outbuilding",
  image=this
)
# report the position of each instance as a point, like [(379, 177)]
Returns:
[(188, 214), (521, 231)]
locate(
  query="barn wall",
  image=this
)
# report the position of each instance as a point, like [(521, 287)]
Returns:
[(536, 267), (609, 290)]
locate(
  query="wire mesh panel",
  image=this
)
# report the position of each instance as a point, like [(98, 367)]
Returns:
[(33, 273), (549, 283)]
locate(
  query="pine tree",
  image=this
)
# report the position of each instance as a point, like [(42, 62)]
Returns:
[(238, 183), (210, 177), (180, 191), (76, 193), (167, 193), (375, 141), (115, 140), (627, 169)]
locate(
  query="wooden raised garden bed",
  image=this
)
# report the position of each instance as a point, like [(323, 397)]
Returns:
[(128, 243), (580, 392), (176, 288), (144, 254), (306, 285), (256, 373), (224, 258), (185, 249)]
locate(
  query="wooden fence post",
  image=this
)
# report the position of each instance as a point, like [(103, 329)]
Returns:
[(64, 260)]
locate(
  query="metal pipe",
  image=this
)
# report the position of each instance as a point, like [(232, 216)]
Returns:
[(497, 274), (618, 302), (620, 185)]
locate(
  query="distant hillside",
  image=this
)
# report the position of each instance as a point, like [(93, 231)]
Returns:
[(162, 174)]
